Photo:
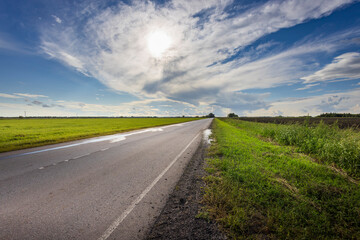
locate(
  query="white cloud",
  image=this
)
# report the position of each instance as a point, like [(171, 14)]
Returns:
[(148, 107), (57, 19), (343, 67), (244, 104), (17, 109), (308, 86), (112, 46), (55, 51), (21, 95), (30, 95), (5, 95), (238, 101), (315, 105)]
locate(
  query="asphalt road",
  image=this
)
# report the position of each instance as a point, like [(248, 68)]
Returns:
[(110, 187)]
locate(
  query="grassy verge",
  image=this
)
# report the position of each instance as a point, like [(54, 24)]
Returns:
[(259, 190), (24, 133), (327, 143)]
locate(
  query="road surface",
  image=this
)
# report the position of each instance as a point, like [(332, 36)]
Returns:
[(110, 187)]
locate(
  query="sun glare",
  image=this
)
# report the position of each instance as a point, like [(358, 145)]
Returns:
[(158, 42)]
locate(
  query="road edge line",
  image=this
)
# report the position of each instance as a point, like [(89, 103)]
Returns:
[(128, 210)]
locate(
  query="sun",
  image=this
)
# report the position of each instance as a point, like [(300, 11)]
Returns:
[(158, 42)]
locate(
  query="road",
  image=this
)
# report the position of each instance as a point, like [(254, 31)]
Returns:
[(110, 187)]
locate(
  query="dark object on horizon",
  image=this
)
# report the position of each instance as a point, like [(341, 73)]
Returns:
[(210, 115), (232, 115), (338, 115)]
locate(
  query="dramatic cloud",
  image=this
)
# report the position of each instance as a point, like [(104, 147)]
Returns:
[(200, 66), (150, 107), (339, 102), (158, 107), (238, 101), (343, 67)]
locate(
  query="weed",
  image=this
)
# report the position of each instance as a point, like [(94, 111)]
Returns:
[(203, 214)]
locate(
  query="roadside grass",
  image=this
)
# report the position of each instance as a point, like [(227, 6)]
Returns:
[(328, 144), (260, 190), (25, 133)]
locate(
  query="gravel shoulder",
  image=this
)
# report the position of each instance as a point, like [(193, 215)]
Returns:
[(178, 218)]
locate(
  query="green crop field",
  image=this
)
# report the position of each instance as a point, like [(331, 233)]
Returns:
[(342, 122), (24, 133), (258, 188)]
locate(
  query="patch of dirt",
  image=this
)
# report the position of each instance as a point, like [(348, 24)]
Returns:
[(179, 219)]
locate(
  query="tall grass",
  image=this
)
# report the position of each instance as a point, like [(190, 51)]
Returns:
[(327, 143), (260, 190)]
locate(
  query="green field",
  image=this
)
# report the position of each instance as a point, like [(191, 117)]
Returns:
[(24, 133), (260, 189)]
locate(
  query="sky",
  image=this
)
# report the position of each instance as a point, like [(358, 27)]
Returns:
[(175, 58)]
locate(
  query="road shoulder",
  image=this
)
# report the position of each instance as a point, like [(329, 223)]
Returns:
[(178, 219)]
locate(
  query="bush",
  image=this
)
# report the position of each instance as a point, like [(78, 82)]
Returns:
[(232, 115)]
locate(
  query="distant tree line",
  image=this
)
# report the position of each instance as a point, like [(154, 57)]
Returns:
[(232, 115), (210, 115), (338, 115)]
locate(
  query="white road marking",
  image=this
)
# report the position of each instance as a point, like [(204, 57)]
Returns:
[(54, 164), (118, 139), (121, 218), (81, 156)]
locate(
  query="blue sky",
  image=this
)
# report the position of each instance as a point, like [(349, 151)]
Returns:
[(170, 58)]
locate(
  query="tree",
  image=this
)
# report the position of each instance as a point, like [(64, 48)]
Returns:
[(210, 115), (232, 115)]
